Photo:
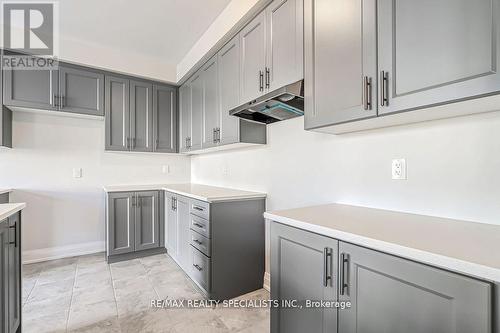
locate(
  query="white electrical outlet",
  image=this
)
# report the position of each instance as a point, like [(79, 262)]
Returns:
[(77, 172), (225, 170), (165, 169), (399, 169)]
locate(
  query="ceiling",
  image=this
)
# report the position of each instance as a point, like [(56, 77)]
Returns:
[(163, 31)]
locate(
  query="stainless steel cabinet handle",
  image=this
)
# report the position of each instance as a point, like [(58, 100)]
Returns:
[(367, 93), (198, 225), (384, 88), (327, 271), (261, 81), (214, 135), (344, 274), (198, 208), (197, 267), (197, 241), (175, 203), (218, 134), (268, 77), (63, 101), (15, 234), (55, 101)]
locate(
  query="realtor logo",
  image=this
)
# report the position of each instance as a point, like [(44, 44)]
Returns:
[(29, 28)]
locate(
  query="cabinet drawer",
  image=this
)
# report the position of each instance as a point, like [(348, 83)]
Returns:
[(200, 269), (200, 225), (200, 208), (200, 242)]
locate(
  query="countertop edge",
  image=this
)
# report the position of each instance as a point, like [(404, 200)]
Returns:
[(16, 207), (425, 257), (6, 190)]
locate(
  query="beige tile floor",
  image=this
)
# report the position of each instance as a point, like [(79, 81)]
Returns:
[(85, 294)]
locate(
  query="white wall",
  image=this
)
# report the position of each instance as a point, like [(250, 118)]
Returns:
[(64, 211)]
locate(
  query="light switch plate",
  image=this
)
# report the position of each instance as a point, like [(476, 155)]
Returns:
[(77, 172), (399, 169)]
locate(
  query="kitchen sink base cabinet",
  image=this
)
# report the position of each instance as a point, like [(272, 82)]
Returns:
[(387, 293)]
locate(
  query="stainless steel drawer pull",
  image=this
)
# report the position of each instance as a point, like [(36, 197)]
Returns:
[(198, 208), (367, 95), (15, 234), (384, 88), (197, 241), (197, 267), (261, 81), (198, 225), (344, 274), (327, 258)]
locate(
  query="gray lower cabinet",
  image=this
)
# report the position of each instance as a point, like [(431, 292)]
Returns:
[(81, 90), (165, 119), (219, 245), (303, 267), (133, 223), (340, 60), (388, 294), (439, 61), (10, 274)]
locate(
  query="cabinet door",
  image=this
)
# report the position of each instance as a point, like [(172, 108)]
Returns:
[(14, 284), (184, 235), (393, 295), (147, 220), (210, 103), (121, 222), (228, 63), (4, 276), (82, 91), (253, 58), (172, 222), (196, 85), (165, 119), (285, 43), (185, 117), (340, 58), (303, 267), (453, 54), (141, 116), (31, 89), (117, 116)]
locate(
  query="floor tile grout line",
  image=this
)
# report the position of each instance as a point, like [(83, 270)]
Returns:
[(72, 291), (114, 295)]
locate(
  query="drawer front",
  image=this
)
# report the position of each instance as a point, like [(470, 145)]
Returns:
[(200, 208), (200, 269), (200, 225), (200, 242)]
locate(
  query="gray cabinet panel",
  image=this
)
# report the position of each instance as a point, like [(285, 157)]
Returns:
[(229, 90), (300, 262), (200, 269), (285, 43), (196, 85), (14, 273), (340, 42), (165, 119), (81, 90), (5, 118), (253, 58), (184, 117), (141, 116), (210, 103), (393, 295), (172, 225), (184, 234), (31, 88), (117, 117), (454, 55), (147, 212), (121, 223), (4, 276)]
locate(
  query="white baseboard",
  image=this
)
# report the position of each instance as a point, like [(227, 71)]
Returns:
[(59, 252), (267, 281)]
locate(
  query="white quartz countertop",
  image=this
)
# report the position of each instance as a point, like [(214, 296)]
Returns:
[(464, 247), (4, 190), (8, 209), (196, 191)]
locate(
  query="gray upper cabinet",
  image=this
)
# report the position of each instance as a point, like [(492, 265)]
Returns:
[(210, 103), (121, 223), (165, 119), (393, 295), (147, 235), (253, 58), (117, 118), (228, 62), (184, 117), (5, 119), (81, 91), (341, 61), (196, 85), (285, 43), (303, 267), (37, 89), (141, 116), (455, 55)]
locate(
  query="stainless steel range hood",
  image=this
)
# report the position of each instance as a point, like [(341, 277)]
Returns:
[(280, 104)]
